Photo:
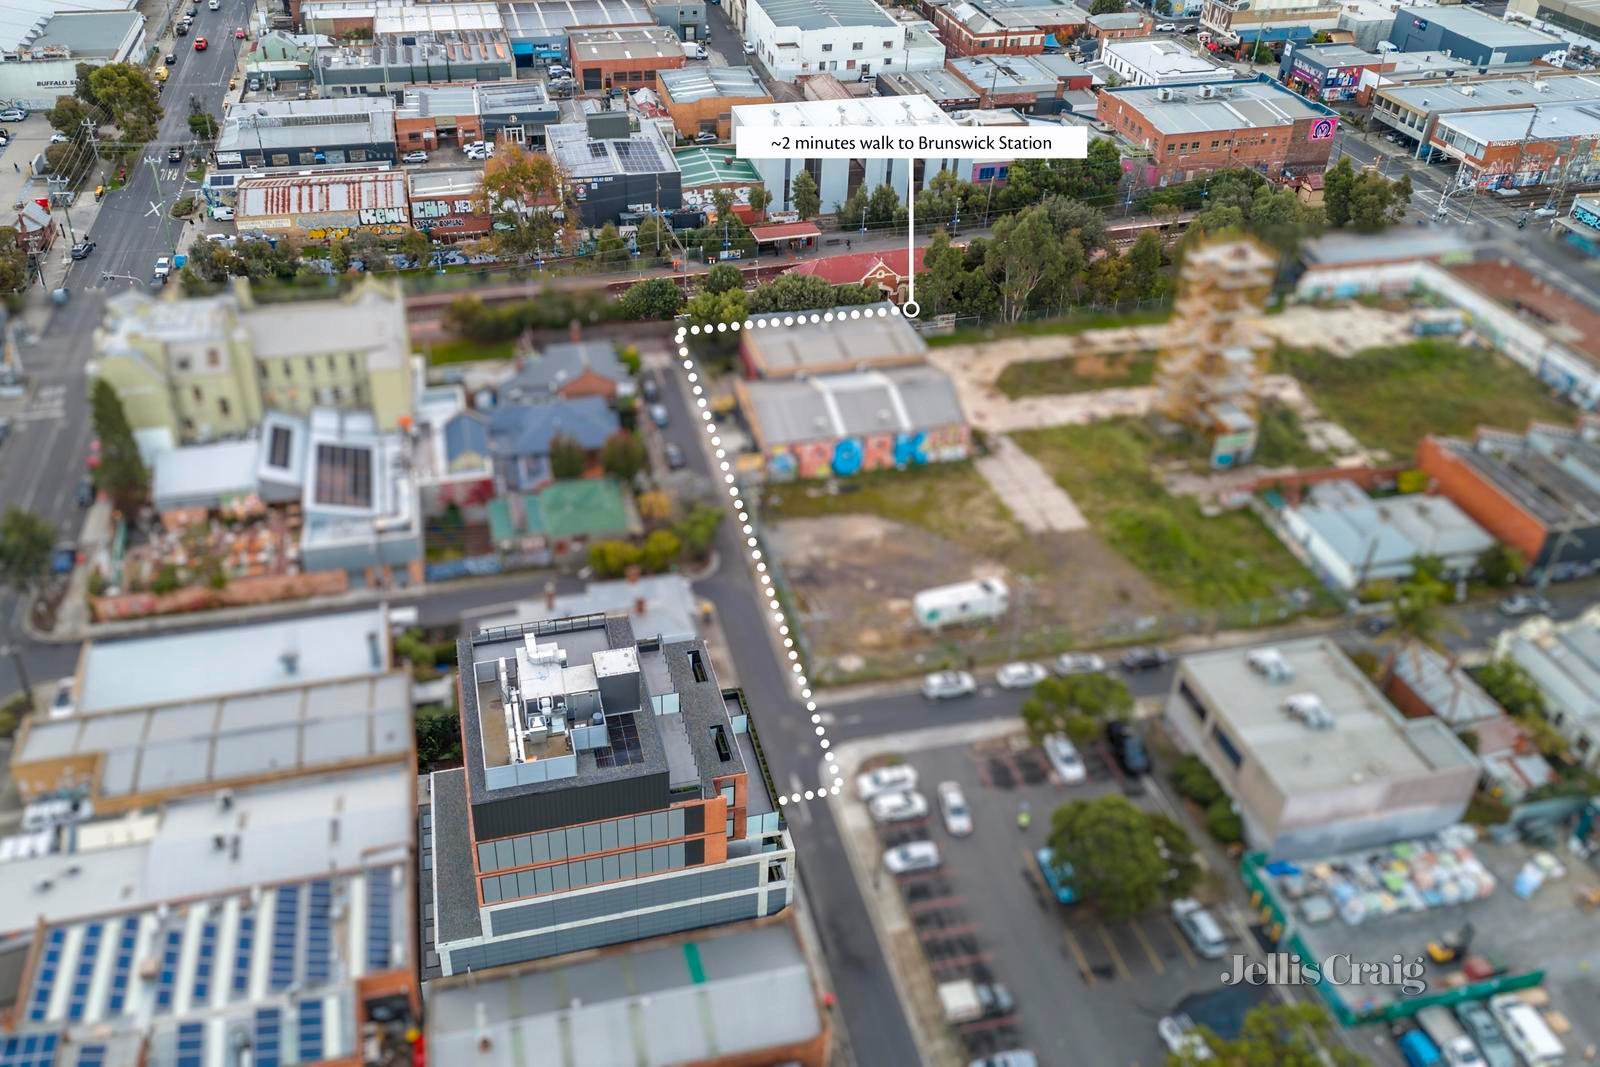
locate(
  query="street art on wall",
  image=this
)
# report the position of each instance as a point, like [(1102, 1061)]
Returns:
[(844, 456)]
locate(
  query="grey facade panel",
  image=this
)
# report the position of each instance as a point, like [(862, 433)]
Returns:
[(777, 900), (631, 897), (577, 804)]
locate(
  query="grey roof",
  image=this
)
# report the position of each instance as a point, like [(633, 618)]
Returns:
[(89, 33), (1551, 473), (1563, 122), (1444, 686), (1258, 104), (497, 98), (217, 661), (583, 156), (1334, 55), (846, 342), (719, 994), (204, 474), (455, 889), (1485, 93), (1389, 532), (830, 406), (300, 728), (938, 85), (1005, 74), (545, 375), (318, 123), (626, 43), (1337, 249), (1482, 28), (824, 14), (1368, 738), (1118, 20), (545, 19), (688, 84), (528, 429)]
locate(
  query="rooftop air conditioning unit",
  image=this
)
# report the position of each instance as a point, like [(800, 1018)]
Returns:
[(1270, 664), (1469, 90), (1207, 92), (1163, 93)]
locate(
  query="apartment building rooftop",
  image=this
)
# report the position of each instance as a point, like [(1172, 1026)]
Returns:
[(824, 14)]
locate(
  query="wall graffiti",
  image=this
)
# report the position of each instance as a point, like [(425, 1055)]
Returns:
[(328, 233), (845, 456)]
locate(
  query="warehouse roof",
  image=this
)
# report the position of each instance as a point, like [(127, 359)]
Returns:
[(1530, 124), (1164, 60), (1487, 93), (863, 111), (687, 84), (831, 406), (1336, 55), (88, 34), (824, 14), (1373, 534), (848, 343), (557, 18), (585, 156), (270, 124), (319, 194), (626, 43), (1231, 105), (1480, 27), (22, 20)]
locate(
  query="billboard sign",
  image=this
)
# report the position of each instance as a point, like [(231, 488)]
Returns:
[(1323, 129)]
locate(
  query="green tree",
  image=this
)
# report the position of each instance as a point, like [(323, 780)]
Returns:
[(623, 455), (722, 278), (803, 292), (1144, 266), (1510, 686), (1501, 565), (1077, 705), (1337, 185), (1106, 7), (1121, 857), (609, 247), (708, 309), (611, 559), (14, 273), (82, 87), (1276, 1035), (1279, 218), (70, 162), (1023, 257), (121, 473), (203, 126), (654, 238), (1069, 217), (698, 529), (660, 549), (1194, 781), (653, 298), (524, 192), (567, 458), (129, 97), (1376, 202), (414, 244), (805, 197), (438, 737), (760, 199), (69, 115), (26, 541), (1419, 616)]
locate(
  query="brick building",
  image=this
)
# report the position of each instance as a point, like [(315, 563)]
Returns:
[(700, 98), (1197, 129), (990, 27), (1118, 24), (626, 58)]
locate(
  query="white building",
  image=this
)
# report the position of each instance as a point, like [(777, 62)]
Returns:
[(837, 178), (1563, 659), (850, 39), (40, 51), (1157, 61)]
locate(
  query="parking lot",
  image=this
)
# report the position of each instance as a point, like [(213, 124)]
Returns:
[(1086, 990)]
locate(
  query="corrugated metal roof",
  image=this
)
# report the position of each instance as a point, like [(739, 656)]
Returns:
[(272, 197)]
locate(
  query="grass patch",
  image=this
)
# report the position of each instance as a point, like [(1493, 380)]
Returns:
[(1391, 398), (949, 500), (1282, 443), (1210, 562), (1070, 324), (1077, 374), (461, 350)]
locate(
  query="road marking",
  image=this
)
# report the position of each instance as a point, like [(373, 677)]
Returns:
[(1078, 955), (1116, 953), (155, 209), (794, 784), (1149, 949)]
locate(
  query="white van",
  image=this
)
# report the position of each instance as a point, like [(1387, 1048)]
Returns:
[(221, 212), (1527, 1032)]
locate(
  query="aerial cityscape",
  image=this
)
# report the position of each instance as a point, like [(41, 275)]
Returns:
[(837, 533)]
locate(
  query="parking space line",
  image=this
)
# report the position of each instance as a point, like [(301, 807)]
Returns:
[(1182, 942), (1116, 953), (1149, 949), (1078, 955)]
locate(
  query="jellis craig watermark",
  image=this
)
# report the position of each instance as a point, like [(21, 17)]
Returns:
[(1339, 969)]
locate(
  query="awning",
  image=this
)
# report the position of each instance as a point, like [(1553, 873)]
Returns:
[(1050, 41), (784, 231)]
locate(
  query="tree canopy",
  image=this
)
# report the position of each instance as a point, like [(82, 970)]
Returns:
[(804, 195), (25, 544), (653, 298), (1124, 860), (130, 99), (121, 473), (1076, 705), (1276, 1035), (529, 199)]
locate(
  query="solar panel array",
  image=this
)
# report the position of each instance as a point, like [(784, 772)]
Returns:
[(640, 157), (623, 733), (285, 932), (318, 934), (44, 984), (380, 921), (88, 954), (29, 1050)]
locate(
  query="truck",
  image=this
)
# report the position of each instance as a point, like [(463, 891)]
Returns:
[(983, 600), (966, 1001), (695, 50)]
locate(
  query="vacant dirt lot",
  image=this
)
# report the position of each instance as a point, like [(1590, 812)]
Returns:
[(854, 575)]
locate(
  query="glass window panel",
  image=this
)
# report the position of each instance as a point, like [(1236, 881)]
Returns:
[(541, 880), (646, 866), (523, 850), (591, 838), (592, 870), (486, 860), (558, 845), (527, 886), (658, 826), (608, 835), (611, 869), (541, 847), (504, 854), (576, 875), (625, 864), (575, 841), (491, 890), (658, 857), (675, 856), (675, 822), (641, 829), (624, 833), (558, 877)]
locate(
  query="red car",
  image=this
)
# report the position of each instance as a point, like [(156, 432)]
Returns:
[(199, 44), (238, 35)]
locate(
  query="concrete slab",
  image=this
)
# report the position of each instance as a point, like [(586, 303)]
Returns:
[(1035, 498)]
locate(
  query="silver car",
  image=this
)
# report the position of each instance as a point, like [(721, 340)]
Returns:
[(953, 806), (942, 685)]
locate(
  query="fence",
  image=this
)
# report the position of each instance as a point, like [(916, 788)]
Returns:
[(484, 565)]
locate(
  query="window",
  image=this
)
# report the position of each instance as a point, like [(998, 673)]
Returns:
[(183, 364), (827, 48), (333, 367), (355, 364), (1226, 747), (213, 358), (196, 391), (311, 365), (288, 369), (857, 47), (1193, 701), (222, 406), (888, 45)]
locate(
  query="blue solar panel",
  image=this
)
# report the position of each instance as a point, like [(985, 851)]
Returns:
[(92, 1056), (168, 978), (191, 1045), (266, 1050), (310, 1031), (241, 953), (122, 966), (285, 930), (318, 934), (379, 919), (88, 956), (203, 964), (30, 1050), (45, 982)]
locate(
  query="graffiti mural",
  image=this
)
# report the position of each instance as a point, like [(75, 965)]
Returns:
[(845, 456)]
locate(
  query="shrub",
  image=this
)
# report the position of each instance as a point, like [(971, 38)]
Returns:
[(1486, 810), (167, 580), (1223, 824), (1194, 781)]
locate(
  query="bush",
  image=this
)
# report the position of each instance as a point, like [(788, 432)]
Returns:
[(1194, 781), (611, 559), (167, 580), (1486, 810), (183, 207), (1223, 824)]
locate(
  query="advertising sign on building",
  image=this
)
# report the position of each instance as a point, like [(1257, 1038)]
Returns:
[(1323, 129)]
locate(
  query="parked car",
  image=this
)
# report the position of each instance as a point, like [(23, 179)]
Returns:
[(1127, 748), (1198, 925), (169, 60), (1020, 675), (252, 84), (705, 137), (64, 558), (1521, 604), (200, 44), (66, 699), (1476, 1018), (5, 138), (175, 154), (1545, 212), (59, 138), (1191, 29), (650, 388), (82, 249), (749, 49), (1144, 659), (13, 114), (1454, 1044), (1182, 1038), (238, 34), (1065, 759), (659, 415), (674, 456), (953, 806), (414, 157), (942, 685), (163, 270), (1416, 1047), (1079, 663), (912, 857), (1166, 27), (898, 807), (1526, 1031), (895, 778), (181, 29)]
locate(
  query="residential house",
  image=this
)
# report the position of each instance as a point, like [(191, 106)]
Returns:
[(520, 436), (570, 370)]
